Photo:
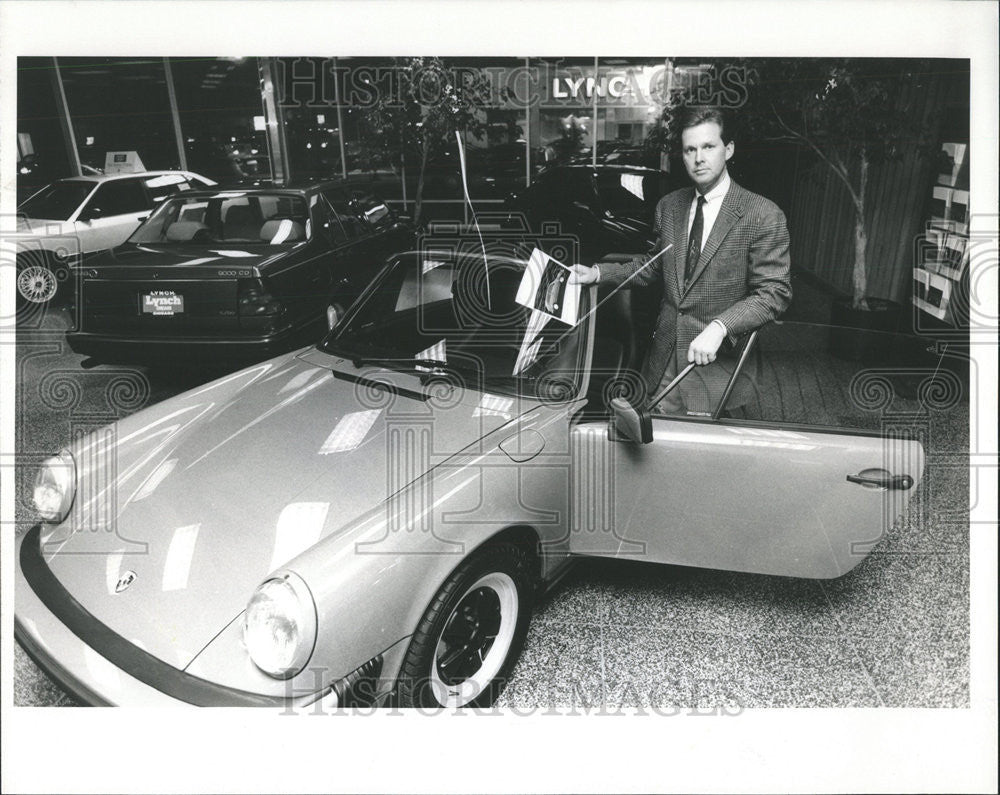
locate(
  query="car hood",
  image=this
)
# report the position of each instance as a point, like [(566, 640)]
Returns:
[(218, 488), (186, 254)]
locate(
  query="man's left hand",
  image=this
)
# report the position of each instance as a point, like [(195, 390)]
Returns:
[(704, 347)]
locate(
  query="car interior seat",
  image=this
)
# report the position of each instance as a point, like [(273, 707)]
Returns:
[(240, 224), (182, 231), (283, 230)]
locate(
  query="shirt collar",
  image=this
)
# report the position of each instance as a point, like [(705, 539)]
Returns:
[(718, 191)]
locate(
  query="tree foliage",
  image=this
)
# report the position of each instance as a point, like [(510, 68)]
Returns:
[(850, 113), (418, 109)]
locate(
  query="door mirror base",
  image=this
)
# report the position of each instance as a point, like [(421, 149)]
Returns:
[(629, 424)]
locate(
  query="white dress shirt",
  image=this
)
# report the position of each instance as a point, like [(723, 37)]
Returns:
[(713, 202)]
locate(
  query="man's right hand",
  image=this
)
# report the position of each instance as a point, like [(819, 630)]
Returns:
[(584, 274)]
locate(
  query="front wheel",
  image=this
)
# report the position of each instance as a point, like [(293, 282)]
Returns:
[(471, 634)]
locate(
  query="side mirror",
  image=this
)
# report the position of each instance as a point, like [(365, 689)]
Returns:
[(629, 424), (91, 213)]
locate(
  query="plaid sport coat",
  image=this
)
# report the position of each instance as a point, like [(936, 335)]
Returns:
[(742, 277)]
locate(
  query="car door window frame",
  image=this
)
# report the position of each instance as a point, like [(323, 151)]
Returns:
[(334, 218), (110, 185), (337, 199)]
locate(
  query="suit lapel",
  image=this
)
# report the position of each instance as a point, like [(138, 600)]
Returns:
[(681, 211), (733, 204)]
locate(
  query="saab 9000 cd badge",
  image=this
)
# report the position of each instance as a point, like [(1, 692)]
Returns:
[(125, 581)]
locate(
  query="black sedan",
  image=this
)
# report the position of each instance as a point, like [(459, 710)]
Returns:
[(234, 274), (608, 207)]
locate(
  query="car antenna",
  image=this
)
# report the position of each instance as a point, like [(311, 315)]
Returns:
[(475, 219)]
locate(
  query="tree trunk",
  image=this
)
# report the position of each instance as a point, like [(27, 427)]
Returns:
[(419, 199), (861, 239)]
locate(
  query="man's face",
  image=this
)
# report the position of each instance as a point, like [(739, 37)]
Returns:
[(705, 155)]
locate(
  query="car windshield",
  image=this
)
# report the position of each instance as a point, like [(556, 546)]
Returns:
[(58, 201), (500, 328), (247, 219)]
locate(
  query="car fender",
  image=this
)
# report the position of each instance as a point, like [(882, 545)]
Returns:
[(373, 580)]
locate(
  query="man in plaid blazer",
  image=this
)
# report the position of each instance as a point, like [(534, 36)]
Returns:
[(731, 276)]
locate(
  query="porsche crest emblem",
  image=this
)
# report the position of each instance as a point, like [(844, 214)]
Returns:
[(125, 581)]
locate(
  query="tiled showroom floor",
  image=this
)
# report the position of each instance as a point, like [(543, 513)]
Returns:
[(893, 632)]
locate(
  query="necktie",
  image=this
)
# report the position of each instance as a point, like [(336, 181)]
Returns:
[(694, 241)]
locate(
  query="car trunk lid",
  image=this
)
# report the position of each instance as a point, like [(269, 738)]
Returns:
[(172, 291)]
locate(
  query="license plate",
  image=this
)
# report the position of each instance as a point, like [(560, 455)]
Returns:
[(162, 302)]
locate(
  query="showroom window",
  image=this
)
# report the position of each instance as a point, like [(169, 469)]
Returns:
[(309, 92), (612, 104), (117, 105), (42, 154), (221, 117), (496, 147)]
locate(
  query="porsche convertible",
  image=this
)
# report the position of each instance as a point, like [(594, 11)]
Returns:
[(369, 521)]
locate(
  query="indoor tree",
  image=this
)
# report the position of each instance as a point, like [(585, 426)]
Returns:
[(848, 112), (416, 114)]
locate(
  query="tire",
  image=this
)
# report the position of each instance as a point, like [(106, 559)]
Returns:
[(482, 610)]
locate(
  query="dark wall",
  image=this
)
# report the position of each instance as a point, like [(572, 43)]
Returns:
[(821, 215)]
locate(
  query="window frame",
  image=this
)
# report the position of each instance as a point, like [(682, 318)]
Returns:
[(96, 195)]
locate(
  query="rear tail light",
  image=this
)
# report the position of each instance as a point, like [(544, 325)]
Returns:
[(256, 301)]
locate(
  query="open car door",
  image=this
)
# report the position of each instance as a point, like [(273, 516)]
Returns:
[(804, 484)]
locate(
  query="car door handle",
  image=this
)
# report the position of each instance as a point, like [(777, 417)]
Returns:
[(881, 479)]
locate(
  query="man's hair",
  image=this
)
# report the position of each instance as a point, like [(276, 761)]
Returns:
[(693, 115)]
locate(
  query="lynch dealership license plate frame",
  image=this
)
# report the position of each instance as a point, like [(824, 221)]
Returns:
[(161, 303)]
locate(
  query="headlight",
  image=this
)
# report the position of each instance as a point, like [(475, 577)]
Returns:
[(55, 487), (279, 628)]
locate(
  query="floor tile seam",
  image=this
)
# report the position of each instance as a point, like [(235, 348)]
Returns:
[(847, 638)]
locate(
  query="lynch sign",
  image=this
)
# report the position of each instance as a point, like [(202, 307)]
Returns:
[(587, 87), (162, 302)]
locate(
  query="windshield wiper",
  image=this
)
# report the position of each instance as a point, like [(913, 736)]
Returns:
[(359, 360)]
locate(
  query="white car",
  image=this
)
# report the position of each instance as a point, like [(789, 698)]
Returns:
[(80, 215)]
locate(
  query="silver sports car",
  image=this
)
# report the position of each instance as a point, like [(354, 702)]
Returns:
[(369, 520)]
